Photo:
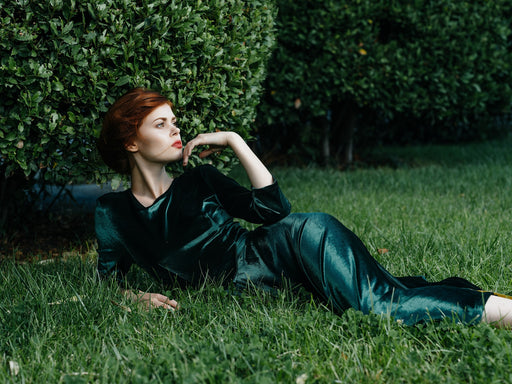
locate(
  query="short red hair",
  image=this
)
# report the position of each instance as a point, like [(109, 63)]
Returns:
[(121, 124)]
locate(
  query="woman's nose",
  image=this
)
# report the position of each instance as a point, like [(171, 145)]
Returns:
[(174, 130)]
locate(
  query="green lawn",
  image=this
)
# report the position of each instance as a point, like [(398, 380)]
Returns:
[(445, 211)]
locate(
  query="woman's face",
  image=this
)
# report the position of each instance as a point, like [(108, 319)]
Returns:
[(158, 138)]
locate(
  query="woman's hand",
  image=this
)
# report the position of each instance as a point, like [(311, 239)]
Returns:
[(151, 300), (216, 141), (258, 174)]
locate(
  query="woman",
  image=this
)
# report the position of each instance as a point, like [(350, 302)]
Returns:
[(181, 231)]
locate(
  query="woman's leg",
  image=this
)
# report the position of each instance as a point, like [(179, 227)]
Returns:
[(498, 311), (317, 251)]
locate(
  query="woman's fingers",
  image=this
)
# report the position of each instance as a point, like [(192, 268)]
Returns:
[(173, 304), (216, 140), (188, 149), (159, 300)]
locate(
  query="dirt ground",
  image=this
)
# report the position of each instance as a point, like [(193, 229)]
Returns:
[(52, 235), (62, 226)]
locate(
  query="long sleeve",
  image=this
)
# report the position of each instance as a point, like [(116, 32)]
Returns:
[(258, 205), (188, 232), (113, 260)]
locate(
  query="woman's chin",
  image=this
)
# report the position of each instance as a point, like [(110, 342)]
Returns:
[(176, 158)]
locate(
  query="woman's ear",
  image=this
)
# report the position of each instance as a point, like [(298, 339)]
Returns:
[(131, 147)]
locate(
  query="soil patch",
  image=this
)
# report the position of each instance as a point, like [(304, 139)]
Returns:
[(49, 236)]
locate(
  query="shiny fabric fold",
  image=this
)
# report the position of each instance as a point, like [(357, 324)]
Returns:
[(188, 234), (318, 252)]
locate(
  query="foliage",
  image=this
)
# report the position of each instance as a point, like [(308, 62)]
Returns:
[(64, 62), (421, 69), (437, 218)]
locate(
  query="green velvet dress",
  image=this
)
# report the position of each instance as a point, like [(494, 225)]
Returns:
[(188, 234)]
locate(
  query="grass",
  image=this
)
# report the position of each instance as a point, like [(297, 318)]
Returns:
[(445, 211)]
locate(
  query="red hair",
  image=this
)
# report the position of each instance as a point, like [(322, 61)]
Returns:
[(121, 124)]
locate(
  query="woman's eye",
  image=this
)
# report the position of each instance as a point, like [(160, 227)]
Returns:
[(160, 125)]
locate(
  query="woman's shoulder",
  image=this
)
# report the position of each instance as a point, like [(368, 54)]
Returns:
[(114, 199)]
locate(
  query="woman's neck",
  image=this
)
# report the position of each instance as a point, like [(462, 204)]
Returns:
[(149, 184)]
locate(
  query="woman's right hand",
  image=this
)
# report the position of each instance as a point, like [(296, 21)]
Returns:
[(258, 174), (151, 300)]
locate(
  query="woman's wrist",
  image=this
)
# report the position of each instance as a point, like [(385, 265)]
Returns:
[(258, 174), (234, 140), (132, 294)]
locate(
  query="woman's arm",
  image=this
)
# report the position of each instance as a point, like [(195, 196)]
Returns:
[(148, 300), (258, 174)]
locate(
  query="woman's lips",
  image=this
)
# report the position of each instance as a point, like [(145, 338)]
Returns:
[(178, 144)]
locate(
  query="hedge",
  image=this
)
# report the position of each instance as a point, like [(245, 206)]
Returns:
[(422, 69), (64, 62)]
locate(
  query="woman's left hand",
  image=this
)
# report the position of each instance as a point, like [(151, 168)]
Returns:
[(216, 141)]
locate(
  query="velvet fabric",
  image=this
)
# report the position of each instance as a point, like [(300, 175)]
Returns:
[(188, 234)]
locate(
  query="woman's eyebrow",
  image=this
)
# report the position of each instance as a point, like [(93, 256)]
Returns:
[(172, 119)]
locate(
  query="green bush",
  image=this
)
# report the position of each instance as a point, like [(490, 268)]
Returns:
[(422, 69), (64, 62)]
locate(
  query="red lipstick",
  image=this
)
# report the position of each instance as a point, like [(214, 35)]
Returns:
[(178, 144)]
